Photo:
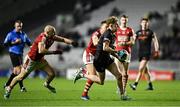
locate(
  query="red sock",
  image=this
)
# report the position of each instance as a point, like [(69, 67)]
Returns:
[(87, 87)]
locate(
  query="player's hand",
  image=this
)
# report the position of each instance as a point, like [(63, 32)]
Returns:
[(58, 52), (156, 54), (75, 44), (18, 41)]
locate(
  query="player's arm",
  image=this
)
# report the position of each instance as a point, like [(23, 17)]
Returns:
[(155, 42), (65, 40), (107, 48), (8, 40), (43, 50), (28, 41), (156, 45), (132, 39), (95, 39)]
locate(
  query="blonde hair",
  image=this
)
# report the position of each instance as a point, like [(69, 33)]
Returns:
[(111, 20), (49, 29)]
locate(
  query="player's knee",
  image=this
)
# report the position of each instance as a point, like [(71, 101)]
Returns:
[(125, 76), (119, 77), (19, 78), (141, 69)]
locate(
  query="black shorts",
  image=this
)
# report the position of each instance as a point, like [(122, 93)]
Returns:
[(16, 59), (102, 63)]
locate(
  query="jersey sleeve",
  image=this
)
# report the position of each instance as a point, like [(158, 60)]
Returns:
[(131, 32), (28, 41), (107, 36), (8, 39)]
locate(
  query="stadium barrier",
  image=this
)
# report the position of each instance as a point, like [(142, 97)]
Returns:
[(156, 74)]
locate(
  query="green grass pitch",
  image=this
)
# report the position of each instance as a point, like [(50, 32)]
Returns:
[(166, 93)]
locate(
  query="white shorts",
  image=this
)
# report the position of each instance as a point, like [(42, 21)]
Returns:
[(30, 65), (87, 58)]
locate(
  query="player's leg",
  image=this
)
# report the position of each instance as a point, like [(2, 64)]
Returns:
[(142, 66), (18, 78), (148, 77), (16, 65), (99, 78), (28, 67), (95, 78), (114, 70), (22, 88), (125, 75), (10, 78), (50, 75), (15, 80), (91, 71), (17, 71), (121, 69)]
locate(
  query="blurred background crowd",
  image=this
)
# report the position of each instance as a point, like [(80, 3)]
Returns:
[(77, 19)]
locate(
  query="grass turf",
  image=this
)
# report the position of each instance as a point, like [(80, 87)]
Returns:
[(166, 93)]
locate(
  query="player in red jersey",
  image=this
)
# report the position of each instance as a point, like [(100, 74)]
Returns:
[(103, 60), (124, 41), (35, 58), (88, 57)]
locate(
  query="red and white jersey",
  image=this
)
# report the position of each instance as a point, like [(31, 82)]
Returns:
[(33, 52), (91, 48), (123, 36)]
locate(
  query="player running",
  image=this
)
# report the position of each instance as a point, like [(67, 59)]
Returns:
[(35, 58), (16, 41), (88, 57), (124, 41), (145, 37), (103, 60)]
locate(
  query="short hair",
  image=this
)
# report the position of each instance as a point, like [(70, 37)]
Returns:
[(111, 20), (144, 19), (124, 16), (49, 28), (18, 21)]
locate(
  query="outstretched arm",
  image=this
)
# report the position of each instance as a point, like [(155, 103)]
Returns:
[(43, 50), (65, 40)]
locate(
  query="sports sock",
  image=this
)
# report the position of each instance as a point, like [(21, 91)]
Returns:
[(150, 84), (87, 87), (21, 84), (135, 83), (10, 79)]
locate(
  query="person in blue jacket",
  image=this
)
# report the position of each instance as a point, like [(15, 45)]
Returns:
[(16, 41)]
